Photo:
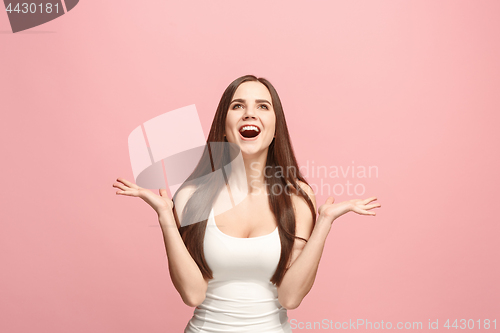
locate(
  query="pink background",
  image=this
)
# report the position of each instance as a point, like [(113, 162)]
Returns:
[(411, 87)]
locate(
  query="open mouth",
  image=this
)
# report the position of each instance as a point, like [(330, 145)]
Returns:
[(249, 131)]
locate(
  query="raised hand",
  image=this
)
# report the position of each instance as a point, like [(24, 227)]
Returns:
[(160, 203), (331, 211)]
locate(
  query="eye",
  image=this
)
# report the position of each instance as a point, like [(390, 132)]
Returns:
[(235, 105), (264, 105)]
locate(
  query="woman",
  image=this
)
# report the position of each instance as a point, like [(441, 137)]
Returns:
[(243, 267)]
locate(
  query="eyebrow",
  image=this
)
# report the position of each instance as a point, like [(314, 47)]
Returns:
[(244, 101)]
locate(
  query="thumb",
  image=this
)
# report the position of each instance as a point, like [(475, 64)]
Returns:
[(330, 200), (162, 191)]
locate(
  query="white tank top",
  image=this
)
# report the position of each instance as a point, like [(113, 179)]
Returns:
[(240, 297)]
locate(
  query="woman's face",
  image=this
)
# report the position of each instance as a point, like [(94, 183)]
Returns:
[(251, 121)]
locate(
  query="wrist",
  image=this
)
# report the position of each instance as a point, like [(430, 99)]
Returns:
[(166, 217), (323, 223)]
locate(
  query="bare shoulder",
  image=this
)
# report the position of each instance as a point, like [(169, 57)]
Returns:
[(181, 197), (304, 223), (303, 216), (309, 192)]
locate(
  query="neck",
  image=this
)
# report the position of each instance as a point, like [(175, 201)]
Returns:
[(254, 166)]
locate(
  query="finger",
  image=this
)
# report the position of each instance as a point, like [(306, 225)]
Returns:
[(120, 186), (330, 200), (362, 211), (127, 193), (126, 182), (366, 201), (375, 205)]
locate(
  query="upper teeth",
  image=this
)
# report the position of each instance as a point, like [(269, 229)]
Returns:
[(245, 128)]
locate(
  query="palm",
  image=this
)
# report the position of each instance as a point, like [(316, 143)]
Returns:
[(332, 211), (159, 203)]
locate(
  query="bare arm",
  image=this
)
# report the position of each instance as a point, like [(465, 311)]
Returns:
[(184, 272), (300, 276)]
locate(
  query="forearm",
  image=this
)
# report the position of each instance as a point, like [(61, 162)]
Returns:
[(184, 272), (299, 278)]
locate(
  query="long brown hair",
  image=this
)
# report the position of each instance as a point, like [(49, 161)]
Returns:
[(280, 157)]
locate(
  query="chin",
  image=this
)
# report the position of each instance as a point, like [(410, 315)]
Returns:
[(253, 152), (247, 148)]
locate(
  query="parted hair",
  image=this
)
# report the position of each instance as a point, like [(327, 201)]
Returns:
[(280, 156)]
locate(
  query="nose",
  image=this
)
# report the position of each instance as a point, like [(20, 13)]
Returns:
[(249, 113)]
